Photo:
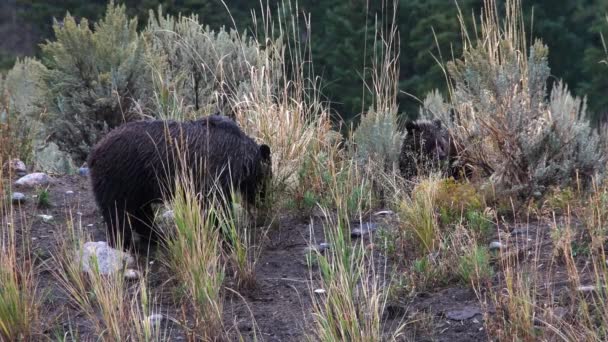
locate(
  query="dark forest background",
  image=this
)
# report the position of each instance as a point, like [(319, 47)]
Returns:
[(339, 36)]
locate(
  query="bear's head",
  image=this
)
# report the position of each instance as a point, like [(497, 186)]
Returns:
[(428, 138), (255, 185), (265, 174)]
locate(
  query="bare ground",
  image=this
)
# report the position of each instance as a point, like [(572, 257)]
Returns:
[(277, 309)]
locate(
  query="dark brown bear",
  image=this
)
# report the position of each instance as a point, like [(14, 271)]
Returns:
[(135, 166), (426, 146)]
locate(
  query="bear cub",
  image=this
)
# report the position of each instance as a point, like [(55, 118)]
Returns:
[(425, 146), (135, 165)]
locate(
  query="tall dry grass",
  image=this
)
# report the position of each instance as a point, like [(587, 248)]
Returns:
[(20, 298)]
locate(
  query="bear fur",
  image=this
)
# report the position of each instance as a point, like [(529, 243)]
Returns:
[(135, 165), (425, 146)]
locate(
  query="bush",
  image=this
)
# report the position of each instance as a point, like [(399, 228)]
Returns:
[(96, 79), (21, 109), (379, 139), (503, 119), (205, 70)]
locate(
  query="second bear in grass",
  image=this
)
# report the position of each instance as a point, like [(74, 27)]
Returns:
[(135, 165), (426, 146)]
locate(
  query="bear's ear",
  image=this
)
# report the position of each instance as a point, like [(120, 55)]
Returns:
[(265, 151), (437, 123), (410, 126)]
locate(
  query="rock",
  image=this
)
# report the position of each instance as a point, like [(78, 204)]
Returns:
[(109, 260), (49, 158), (586, 288), (320, 248), (155, 319), (83, 171), (364, 229), (33, 179), (132, 274), (519, 231), (319, 291), (46, 218), (495, 245), (69, 192), (18, 198), (465, 313), (168, 215), (384, 213), (16, 167), (323, 246)]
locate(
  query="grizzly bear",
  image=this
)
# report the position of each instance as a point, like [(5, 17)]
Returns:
[(425, 146), (135, 165)]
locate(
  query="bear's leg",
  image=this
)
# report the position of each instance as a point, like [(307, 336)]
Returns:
[(142, 221), (119, 233)]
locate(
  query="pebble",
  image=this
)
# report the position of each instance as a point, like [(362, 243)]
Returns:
[(464, 313), (155, 319), (34, 179), (586, 288), (366, 229), (83, 171), (69, 192), (131, 274), (18, 198), (16, 166), (168, 215), (384, 213), (319, 291), (46, 218), (319, 248), (494, 245), (323, 246)]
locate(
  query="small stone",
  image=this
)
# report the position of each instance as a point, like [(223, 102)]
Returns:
[(155, 319), (586, 288), (15, 166), (18, 198), (168, 215), (320, 248), (323, 246), (319, 291), (69, 192), (518, 231), (463, 314), (131, 274), (90, 225), (494, 245), (83, 171), (109, 260), (34, 179), (46, 218), (363, 230), (384, 213)]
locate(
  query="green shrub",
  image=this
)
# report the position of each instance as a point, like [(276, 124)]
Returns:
[(378, 139), (200, 68), (505, 122), (44, 200), (96, 79), (21, 109)]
